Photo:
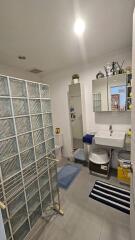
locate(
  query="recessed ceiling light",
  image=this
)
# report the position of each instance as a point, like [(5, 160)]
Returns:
[(22, 57), (79, 26)]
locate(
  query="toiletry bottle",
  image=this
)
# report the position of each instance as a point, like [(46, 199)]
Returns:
[(129, 133)]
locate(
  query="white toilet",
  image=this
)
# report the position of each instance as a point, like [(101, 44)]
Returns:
[(58, 145), (99, 162)]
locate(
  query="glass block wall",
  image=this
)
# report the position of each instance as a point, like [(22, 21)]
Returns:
[(28, 179)]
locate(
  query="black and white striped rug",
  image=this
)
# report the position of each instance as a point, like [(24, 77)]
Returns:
[(111, 195)]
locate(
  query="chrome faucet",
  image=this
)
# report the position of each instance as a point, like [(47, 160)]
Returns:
[(110, 130)]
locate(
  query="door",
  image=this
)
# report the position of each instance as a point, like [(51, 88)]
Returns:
[(132, 215)]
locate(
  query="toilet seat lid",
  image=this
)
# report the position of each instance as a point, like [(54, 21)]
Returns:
[(99, 156)]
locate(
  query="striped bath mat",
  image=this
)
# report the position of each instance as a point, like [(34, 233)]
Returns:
[(111, 195)]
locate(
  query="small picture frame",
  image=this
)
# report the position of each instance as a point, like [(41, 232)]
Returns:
[(57, 130)]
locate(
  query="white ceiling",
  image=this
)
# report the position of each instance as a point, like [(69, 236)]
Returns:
[(42, 30)]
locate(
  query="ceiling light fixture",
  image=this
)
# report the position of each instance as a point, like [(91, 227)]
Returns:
[(79, 26)]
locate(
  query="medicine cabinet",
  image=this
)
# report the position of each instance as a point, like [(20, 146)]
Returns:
[(113, 93)]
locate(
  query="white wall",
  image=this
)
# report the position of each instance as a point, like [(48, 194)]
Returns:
[(19, 73), (59, 88)]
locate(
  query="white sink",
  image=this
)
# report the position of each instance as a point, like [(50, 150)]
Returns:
[(115, 140)]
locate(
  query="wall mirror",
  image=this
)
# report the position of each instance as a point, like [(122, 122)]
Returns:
[(75, 111), (117, 93), (99, 89)]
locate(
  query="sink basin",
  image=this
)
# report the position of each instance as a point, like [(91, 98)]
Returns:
[(116, 140)]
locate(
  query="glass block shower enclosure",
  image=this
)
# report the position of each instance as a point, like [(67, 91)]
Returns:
[(28, 177)]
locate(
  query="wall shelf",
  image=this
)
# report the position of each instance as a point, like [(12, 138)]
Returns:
[(129, 91)]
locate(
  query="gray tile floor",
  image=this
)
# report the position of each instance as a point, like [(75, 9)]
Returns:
[(85, 218)]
